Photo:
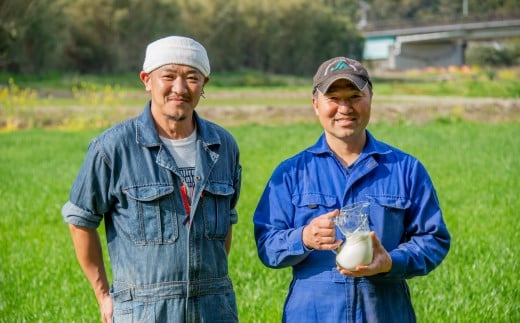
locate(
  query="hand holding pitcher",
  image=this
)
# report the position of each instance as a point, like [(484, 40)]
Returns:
[(319, 234)]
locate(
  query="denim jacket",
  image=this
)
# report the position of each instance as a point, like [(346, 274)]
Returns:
[(404, 213), (130, 179)]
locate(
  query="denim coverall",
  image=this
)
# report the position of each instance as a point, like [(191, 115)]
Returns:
[(404, 213), (164, 268)]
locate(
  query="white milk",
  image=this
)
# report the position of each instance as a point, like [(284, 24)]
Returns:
[(357, 250)]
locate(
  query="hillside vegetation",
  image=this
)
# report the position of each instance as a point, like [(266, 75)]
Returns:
[(281, 37)]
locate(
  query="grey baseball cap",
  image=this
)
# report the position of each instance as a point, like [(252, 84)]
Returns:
[(340, 68)]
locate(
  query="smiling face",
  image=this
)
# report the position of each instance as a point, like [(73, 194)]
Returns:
[(344, 113), (175, 92)]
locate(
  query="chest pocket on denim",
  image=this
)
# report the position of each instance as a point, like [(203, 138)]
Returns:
[(216, 209), (156, 221), (311, 205), (387, 218)]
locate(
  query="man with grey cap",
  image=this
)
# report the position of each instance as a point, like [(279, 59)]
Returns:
[(166, 184), (348, 166)]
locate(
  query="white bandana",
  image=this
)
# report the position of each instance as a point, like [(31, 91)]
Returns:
[(176, 50)]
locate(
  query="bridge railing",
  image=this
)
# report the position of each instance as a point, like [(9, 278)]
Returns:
[(438, 21)]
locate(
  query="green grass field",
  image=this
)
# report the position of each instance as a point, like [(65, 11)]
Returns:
[(475, 167)]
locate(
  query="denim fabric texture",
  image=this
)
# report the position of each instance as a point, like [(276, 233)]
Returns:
[(164, 268), (404, 213)]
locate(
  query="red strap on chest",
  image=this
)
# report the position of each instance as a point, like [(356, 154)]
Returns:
[(186, 202)]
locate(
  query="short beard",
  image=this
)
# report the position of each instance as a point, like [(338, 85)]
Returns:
[(177, 118)]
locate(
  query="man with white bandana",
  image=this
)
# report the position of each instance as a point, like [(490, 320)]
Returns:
[(166, 184)]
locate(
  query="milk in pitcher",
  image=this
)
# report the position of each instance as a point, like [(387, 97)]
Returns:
[(357, 250)]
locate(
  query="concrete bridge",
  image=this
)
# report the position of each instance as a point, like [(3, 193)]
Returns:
[(407, 47)]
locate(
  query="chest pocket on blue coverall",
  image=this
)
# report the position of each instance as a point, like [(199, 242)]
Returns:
[(311, 205), (154, 210), (216, 208), (388, 219)]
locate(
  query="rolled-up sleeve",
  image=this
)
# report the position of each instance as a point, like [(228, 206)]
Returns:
[(89, 196), (72, 214)]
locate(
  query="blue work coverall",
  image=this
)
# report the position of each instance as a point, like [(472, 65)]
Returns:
[(404, 213)]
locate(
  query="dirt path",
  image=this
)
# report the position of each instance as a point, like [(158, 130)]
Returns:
[(390, 109)]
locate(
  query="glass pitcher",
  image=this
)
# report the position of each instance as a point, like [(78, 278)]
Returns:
[(352, 221)]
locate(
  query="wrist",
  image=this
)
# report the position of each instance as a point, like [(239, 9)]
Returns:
[(102, 294)]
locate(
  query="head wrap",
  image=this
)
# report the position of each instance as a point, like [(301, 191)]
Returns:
[(176, 50)]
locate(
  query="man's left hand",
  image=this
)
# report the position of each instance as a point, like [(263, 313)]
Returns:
[(381, 261)]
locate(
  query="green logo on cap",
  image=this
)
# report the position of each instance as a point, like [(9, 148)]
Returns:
[(340, 66)]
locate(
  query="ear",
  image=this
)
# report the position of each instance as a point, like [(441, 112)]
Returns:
[(315, 104), (145, 78), (206, 80)]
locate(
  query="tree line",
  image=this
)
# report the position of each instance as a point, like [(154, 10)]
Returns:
[(391, 13), (284, 37)]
